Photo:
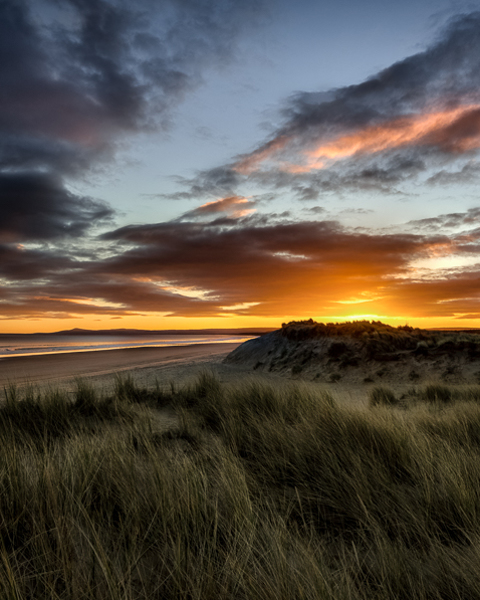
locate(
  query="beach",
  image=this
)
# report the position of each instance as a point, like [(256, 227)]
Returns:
[(150, 367), (146, 365)]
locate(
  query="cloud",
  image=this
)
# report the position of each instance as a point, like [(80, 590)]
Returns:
[(467, 174), (78, 75), (19, 264), (306, 193), (35, 206), (234, 206), (219, 181), (252, 266), (453, 295), (317, 210), (448, 221), (273, 267), (419, 117), (451, 131)]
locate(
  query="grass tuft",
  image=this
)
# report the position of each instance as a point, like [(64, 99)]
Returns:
[(436, 392), (382, 396)]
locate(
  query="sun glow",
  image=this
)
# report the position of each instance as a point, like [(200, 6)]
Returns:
[(359, 300)]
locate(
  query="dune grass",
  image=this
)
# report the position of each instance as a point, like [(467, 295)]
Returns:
[(257, 493), (381, 395)]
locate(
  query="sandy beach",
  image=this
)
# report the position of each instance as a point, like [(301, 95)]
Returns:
[(146, 365)]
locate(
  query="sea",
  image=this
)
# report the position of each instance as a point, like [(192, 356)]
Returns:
[(33, 345)]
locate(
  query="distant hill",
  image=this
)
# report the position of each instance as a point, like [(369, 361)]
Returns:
[(148, 332), (140, 332), (363, 351)]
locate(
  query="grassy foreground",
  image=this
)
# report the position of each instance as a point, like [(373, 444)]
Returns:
[(259, 493)]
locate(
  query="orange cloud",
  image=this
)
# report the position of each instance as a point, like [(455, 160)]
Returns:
[(235, 206), (250, 163), (455, 130), (443, 129)]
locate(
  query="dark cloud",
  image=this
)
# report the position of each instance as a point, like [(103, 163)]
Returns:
[(276, 265), (37, 207), (467, 174), (448, 221), (216, 182), (317, 210), (384, 175), (306, 193), (445, 75), (77, 77), (99, 69), (32, 265)]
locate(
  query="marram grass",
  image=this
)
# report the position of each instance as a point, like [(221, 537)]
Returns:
[(257, 493)]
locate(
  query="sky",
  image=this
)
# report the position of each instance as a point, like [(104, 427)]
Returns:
[(192, 164)]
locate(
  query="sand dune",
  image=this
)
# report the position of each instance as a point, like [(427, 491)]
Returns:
[(353, 358)]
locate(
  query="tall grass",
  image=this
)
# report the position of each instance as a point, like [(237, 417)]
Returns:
[(258, 492), (381, 395)]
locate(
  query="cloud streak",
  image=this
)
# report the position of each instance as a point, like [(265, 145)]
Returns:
[(235, 207)]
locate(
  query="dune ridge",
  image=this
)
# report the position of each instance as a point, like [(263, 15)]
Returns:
[(362, 352)]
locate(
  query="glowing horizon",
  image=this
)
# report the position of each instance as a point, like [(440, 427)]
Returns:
[(148, 323)]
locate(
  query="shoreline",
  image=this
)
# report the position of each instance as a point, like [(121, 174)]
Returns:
[(62, 368), (79, 350)]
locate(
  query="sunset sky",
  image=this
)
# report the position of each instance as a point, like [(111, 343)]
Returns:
[(225, 163)]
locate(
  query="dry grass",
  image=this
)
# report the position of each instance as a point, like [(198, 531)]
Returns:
[(259, 493), (384, 396)]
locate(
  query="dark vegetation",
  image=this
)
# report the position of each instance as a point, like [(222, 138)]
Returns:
[(378, 337), (255, 493), (308, 344), (310, 329)]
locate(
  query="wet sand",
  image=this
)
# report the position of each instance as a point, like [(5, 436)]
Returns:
[(60, 370)]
